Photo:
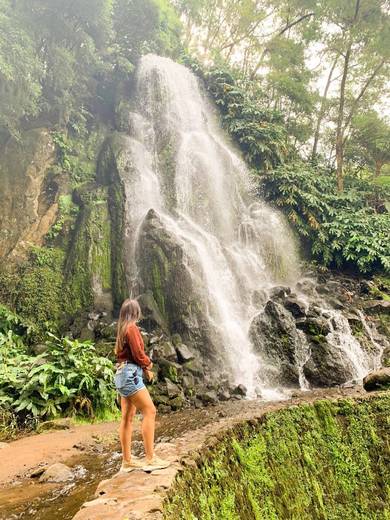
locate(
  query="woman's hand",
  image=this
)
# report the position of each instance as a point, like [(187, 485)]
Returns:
[(149, 375)]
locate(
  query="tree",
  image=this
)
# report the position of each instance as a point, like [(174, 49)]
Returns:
[(20, 71), (359, 38), (370, 141)]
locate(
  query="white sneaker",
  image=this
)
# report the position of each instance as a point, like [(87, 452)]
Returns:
[(128, 467), (155, 463)]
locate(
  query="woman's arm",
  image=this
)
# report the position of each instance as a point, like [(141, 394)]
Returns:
[(137, 349)]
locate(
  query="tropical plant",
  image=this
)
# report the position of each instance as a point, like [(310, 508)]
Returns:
[(68, 378), (349, 228)]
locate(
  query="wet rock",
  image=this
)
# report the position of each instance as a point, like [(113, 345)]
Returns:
[(314, 326), (327, 366), (37, 472), (306, 286), (386, 357), (377, 380), (177, 402), (164, 408), (195, 367), (209, 397), (188, 382), (279, 292), (239, 390), (164, 271), (165, 350), (28, 195), (57, 473), (184, 353), (169, 370), (335, 303), (172, 390), (274, 336), (295, 306), (258, 392), (151, 315), (377, 307), (223, 395), (176, 339), (87, 334)]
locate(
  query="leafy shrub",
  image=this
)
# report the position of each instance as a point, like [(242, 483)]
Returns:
[(260, 132), (340, 228), (68, 378)]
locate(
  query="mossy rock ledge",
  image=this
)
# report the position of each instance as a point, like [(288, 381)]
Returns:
[(310, 458)]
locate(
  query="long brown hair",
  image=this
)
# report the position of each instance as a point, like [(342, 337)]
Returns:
[(130, 313)]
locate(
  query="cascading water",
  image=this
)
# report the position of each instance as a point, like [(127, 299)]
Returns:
[(186, 170)]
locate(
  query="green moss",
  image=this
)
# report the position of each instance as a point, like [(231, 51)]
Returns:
[(330, 460), (34, 288), (88, 265), (108, 175)]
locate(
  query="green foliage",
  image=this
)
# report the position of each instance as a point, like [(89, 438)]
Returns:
[(340, 229), (66, 60), (260, 132), (369, 143), (68, 378), (67, 212), (327, 460), (20, 70)]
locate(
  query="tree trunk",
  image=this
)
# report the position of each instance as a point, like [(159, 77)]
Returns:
[(340, 117), (340, 120), (321, 113), (378, 168)]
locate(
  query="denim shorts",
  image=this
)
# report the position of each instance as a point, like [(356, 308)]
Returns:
[(128, 379)]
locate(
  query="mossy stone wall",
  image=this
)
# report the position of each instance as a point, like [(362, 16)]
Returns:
[(326, 461), (88, 273)]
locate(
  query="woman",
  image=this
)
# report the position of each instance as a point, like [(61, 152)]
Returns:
[(132, 363)]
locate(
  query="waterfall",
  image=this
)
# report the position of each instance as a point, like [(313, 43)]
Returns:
[(234, 244)]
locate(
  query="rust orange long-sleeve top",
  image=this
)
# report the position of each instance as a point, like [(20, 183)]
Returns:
[(134, 349)]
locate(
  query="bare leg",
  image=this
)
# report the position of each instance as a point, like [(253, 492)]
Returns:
[(126, 427), (143, 402)]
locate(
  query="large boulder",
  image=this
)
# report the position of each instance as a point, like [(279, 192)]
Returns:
[(274, 336), (327, 365), (377, 380), (164, 272)]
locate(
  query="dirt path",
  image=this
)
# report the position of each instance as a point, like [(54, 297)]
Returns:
[(96, 446), (22, 456)]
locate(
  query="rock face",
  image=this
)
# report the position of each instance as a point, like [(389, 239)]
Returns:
[(377, 380), (327, 366), (164, 273), (274, 336), (28, 195)]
